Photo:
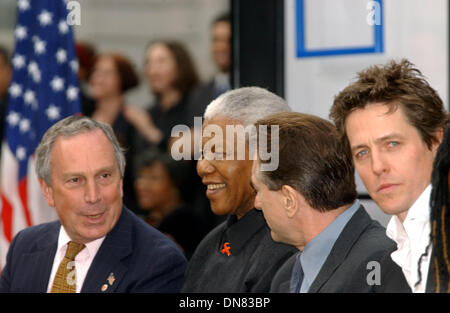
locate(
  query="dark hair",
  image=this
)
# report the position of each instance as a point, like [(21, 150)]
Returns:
[(223, 17), (440, 215), (312, 160), (187, 77), (396, 85), (85, 54), (178, 171), (127, 74)]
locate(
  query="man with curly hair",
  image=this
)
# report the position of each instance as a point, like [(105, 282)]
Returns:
[(393, 121)]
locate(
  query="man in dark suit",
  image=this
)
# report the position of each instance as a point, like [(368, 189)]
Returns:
[(97, 245), (309, 202)]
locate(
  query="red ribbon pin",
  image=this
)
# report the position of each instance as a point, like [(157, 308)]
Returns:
[(226, 248)]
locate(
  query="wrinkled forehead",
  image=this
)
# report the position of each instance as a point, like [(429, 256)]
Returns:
[(90, 143), (380, 109), (225, 129)]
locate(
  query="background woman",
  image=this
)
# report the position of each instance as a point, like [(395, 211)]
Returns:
[(171, 75), (160, 189)]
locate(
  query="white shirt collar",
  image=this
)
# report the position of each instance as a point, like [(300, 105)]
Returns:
[(88, 252), (412, 237), (419, 212)]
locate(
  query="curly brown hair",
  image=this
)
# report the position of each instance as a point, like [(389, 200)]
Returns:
[(397, 84)]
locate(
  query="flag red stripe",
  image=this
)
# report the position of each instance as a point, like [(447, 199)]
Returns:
[(7, 218), (24, 198)]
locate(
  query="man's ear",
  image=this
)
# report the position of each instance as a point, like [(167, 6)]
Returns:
[(290, 200), (438, 136), (47, 191)]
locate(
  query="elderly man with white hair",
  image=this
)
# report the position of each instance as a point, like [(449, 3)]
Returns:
[(239, 255)]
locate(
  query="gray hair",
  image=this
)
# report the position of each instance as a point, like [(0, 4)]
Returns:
[(247, 105), (68, 127)]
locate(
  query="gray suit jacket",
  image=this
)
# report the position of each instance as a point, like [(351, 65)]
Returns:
[(362, 240)]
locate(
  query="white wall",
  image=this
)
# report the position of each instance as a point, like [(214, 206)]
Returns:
[(413, 29)]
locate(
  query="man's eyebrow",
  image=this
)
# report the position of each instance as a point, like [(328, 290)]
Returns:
[(379, 140), (389, 137), (354, 148), (103, 169)]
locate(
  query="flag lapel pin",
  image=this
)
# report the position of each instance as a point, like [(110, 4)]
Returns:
[(111, 279)]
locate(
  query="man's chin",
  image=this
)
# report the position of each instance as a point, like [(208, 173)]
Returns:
[(391, 207), (219, 209)]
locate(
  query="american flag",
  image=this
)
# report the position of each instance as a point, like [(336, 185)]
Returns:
[(44, 89)]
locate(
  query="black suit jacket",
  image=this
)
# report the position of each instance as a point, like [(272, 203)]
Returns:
[(141, 259), (345, 270)]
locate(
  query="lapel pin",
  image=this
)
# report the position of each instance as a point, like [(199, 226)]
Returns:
[(111, 279), (226, 248), (104, 287)]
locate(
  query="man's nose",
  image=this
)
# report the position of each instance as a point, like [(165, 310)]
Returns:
[(92, 192), (204, 167), (379, 163)]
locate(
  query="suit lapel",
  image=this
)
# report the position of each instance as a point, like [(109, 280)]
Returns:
[(107, 268), (37, 264), (350, 234)]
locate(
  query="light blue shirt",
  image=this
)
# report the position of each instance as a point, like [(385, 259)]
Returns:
[(317, 250)]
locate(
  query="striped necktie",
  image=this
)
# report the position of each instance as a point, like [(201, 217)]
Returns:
[(65, 278)]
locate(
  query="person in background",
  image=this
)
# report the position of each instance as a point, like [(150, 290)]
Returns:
[(221, 53), (440, 217), (86, 58), (171, 74), (160, 182), (393, 121), (112, 77), (5, 79), (309, 201), (97, 245), (238, 255)]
